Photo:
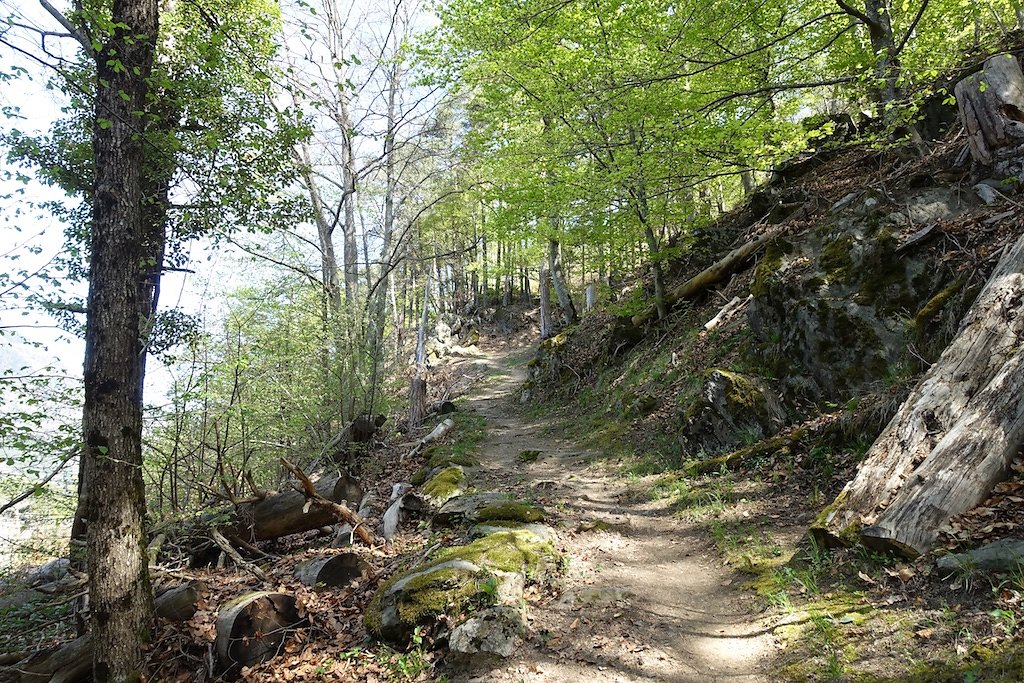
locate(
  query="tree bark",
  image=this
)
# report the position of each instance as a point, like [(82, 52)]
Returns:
[(954, 437), (558, 280), (287, 512), (993, 115), (121, 604), (545, 304)]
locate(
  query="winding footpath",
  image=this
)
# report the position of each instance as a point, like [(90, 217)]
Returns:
[(644, 597)]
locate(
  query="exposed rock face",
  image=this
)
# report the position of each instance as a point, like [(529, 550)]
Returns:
[(731, 410), (496, 630), (832, 309)]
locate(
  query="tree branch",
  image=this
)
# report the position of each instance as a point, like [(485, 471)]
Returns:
[(72, 30)]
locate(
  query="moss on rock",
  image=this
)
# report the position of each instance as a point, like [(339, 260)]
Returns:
[(445, 485), (519, 512)]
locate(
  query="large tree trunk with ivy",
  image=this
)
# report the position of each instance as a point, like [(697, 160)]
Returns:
[(121, 605), (955, 436)]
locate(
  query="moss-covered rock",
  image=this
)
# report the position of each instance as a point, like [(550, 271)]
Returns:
[(442, 459), (528, 456), (543, 534), (445, 485), (832, 312), (510, 510), (732, 410), (455, 579), (463, 509)]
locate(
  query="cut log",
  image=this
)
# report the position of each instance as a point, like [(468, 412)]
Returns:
[(181, 602), (714, 274), (287, 512), (252, 628), (953, 438), (335, 571), (991, 104)]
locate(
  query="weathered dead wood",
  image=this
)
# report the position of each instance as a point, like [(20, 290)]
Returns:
[(728, 312), (71, 662), (181, 602), (226, 546), (714, 274), (954, 436), (991, 104), (288, 512), (435, 434), (332, 509), (252, 628), (333, 571)]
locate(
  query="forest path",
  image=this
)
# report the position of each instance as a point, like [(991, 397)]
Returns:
[(644, 598)]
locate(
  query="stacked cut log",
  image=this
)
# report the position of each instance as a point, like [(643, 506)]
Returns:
[(957, 434), (289, 512)]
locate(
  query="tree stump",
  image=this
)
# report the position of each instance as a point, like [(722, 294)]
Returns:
[(252, 628), (991, 104), (335, 571)]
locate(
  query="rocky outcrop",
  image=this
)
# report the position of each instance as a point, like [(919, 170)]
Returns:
[(833, 311), (731, 410)]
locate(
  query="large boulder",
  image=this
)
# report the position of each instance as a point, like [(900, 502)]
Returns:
[(445, 485), (488, 570), (731, 410)]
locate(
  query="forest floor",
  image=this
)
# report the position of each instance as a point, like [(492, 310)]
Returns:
[(645, 595)]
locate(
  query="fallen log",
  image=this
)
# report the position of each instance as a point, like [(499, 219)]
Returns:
[(328, 507), (714, 274), (72, 661), (435, 434), (953, 438), (289, 512), (334, 571), (252, 628)]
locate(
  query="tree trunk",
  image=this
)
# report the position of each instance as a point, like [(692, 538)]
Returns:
[(993, 115), (558, 280), (121, 605), (418, 387), (545, 304), (954, 437)]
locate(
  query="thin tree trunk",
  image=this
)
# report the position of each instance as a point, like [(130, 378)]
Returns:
[(121, 604), (546, 328), (561, 288), (418, 388)]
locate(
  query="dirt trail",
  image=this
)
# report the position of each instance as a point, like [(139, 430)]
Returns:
[(644, 598)]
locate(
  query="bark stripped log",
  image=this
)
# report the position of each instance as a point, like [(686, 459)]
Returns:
[(954, 437), (334, 510), (991, 104), (252, 628)]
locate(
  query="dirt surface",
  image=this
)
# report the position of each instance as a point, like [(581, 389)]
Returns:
[(644, 597)]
